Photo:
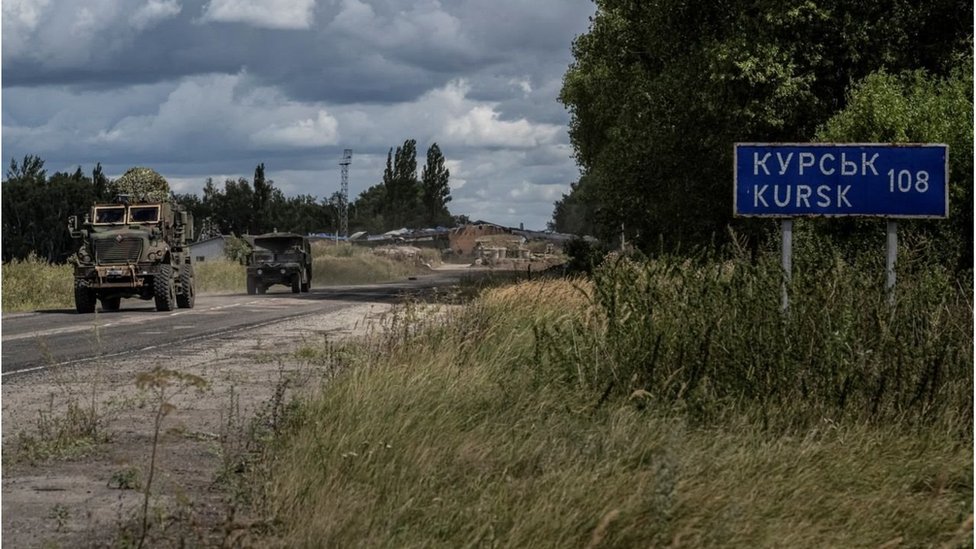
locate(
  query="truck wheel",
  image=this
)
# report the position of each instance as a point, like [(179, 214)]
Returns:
[(111, 303), (296, 284), (163, 291), (305, 286), (261, 288), (84, 298), (251, 286), (188, 297)]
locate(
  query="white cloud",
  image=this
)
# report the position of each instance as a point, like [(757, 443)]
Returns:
[(523, 84), (23, 14), (72, 34), (455, 167), (273, 14), (220, 113), (318, 132), (20, 20), (154, 11), (425, 26), (445, 115), (226, 111), (528, 192), (480, 124)]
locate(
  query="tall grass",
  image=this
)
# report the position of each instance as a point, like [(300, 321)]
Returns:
[(359, 269), (339, 264), (665, 403), (708, 337), (34, 284), (219, 277)]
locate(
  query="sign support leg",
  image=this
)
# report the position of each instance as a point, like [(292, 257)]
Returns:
[(786, 230), (892, 255)]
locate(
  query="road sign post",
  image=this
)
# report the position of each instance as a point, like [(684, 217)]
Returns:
[(891, 256), (786, 249), (891, 181)]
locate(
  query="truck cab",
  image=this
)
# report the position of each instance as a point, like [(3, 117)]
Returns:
[(279, 258)]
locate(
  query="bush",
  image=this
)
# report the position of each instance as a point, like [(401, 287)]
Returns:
[(583, 255), (709, 337)]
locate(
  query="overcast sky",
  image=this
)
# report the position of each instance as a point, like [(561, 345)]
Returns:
[(197, 89)]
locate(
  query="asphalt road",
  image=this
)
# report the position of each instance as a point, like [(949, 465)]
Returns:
[(43, 339)]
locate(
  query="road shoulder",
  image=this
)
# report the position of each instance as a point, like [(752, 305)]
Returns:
[(88, 500)]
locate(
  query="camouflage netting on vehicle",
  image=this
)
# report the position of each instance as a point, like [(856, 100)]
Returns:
[(142, 184)]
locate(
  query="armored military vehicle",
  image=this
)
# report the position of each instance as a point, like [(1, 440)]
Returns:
[(279, 258), (133, 247)]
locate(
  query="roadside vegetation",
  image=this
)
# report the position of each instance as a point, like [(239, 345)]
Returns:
[(34, 284), (661, 402)]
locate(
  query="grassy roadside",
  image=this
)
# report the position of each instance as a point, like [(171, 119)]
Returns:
[(663, 403), (33, 284)]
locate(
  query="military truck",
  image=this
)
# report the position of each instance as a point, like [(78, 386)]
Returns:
[(279, 258), (133, 249)]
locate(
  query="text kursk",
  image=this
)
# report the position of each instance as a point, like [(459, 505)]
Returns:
[(805, 163), (801, 196)]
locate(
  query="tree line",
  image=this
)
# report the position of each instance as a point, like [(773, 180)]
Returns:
[(403, 200), (36, 206), (660, 91)]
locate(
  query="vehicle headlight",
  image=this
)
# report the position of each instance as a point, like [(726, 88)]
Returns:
[(282, 271), (260, 271)]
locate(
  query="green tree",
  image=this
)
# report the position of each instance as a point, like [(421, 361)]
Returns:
[(35, 209), (659, 92), (577, 212), (916, 107), (306, 215), (30, 170), (263, 191), (435, 189), (402, 189), (366, 212), (100, 184), (196, 207), (233, 213)]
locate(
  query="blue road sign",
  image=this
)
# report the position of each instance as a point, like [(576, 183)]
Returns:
[(811, 179)]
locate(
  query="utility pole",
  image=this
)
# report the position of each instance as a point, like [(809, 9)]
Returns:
[(344, 191)]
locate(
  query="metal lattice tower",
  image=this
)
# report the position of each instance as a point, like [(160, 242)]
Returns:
[(344, 191)]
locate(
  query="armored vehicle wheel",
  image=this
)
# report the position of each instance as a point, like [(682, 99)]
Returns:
[(163, 291), (186, 299), (251, 286), (84, 297), (111, 303), (296, 284), (261, 288), (305, 286)]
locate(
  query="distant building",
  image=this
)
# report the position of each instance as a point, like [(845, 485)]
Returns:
[(211, 249), (464, 239)]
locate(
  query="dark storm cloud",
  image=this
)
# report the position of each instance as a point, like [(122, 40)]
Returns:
[(210, 88)]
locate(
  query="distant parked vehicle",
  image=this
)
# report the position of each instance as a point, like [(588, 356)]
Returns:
[(279, 258)]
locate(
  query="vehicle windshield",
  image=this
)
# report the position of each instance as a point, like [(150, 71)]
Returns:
[(108, 215), (143, 214), (289, 256)]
